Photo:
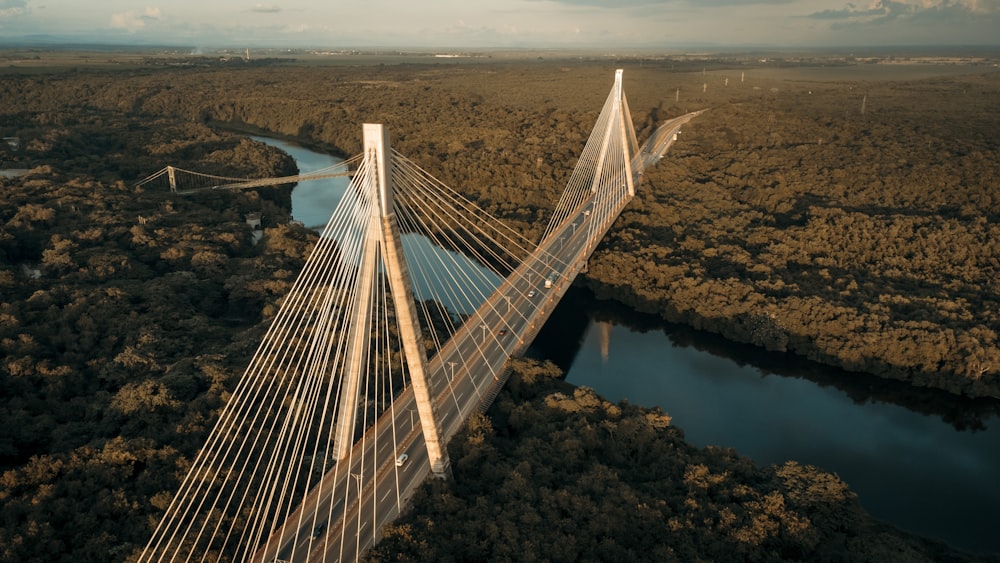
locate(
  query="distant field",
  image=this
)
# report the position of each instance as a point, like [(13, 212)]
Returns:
[(868, 71), (811, 67)]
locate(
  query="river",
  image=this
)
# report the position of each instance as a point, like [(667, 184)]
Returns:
[(922, 460)]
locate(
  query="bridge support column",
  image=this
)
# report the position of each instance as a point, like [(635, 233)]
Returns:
[(628, 142), (172, 176), (619, 121), (376, 139), (357, 348), (413, 346)]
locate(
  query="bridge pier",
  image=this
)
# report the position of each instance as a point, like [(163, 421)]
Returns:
[(413, 346), (172, 176)]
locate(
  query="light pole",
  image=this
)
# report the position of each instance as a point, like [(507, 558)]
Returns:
[(508, 302), (452, 365), (483, 326)]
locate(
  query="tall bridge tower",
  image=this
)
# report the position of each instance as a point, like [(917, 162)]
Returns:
[(383, 246)]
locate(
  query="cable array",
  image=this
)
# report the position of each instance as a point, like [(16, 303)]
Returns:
[(327, 401), (273, 441), (604, 176)]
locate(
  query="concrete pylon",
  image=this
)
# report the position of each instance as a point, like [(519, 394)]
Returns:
[(629, 143), (357, 347), (385, 231), (620, 121), (623, 123)]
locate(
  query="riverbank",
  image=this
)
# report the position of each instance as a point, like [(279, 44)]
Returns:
[(901, 449), (559, 474)]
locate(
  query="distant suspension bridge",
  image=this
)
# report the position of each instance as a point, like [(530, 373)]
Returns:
[(182, 181)]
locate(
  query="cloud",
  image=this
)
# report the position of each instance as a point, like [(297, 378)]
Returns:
[(882, 11), (851, 12), (266, 8), (13, 8), (973, 6), (133, 21), (665, 3), (607, 3)]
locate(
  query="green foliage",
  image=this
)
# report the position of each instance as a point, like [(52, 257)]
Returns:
[(793, 223), (785, 217), (125, 319), (782, 218), (562, 475)]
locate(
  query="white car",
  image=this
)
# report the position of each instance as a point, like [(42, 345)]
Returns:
[(401, 460), (531, 294)]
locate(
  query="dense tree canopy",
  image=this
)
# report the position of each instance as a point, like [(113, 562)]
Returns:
[(126, 319), (850, 222), (555, 473), (786, 217)]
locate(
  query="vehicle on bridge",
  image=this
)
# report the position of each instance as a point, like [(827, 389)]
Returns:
[(401, 460)]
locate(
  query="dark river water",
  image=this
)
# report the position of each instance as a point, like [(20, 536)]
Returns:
[(924, 461)]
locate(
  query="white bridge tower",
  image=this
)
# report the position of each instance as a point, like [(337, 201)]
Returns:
[(382, 240)]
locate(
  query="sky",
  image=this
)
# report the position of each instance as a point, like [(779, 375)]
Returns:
[(506, 23)]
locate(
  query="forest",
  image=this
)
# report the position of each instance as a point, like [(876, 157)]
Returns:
[(852, 223), (848, 222), (556, 473)]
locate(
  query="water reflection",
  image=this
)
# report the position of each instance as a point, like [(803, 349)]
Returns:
[(924, 460), (579, 308)]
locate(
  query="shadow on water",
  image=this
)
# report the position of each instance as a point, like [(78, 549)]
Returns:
[(563, 334)]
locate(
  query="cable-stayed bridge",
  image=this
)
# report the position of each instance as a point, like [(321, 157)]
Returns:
[(400, 325)]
